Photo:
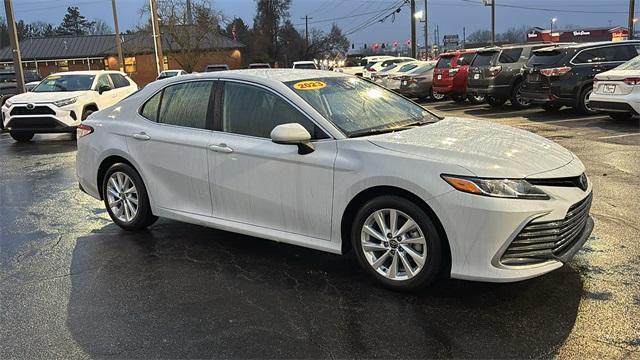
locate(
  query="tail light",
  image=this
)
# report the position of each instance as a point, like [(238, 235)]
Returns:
[(453, 71), (495, 70), (632, 81), (555, 71), (83, 130)]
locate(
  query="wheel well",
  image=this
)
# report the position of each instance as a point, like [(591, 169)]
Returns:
[(92, 107), (359, 200), (105, 165), (585, 85)]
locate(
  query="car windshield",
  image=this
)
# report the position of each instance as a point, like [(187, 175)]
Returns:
[(389, 68), (545, 57), (166, 74), (407, 67), (633, 64), (421, 70), (483, 59), (358, 107), (306, 66), (56, 83), (444, 62)]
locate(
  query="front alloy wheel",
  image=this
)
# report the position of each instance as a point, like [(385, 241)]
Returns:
[(393, 244), (396, 242)]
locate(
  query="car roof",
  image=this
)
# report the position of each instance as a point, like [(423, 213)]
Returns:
[(264, 76), (88, 72), (597, 43), (304, 62)]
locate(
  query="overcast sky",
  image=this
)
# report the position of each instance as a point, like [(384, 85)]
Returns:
[(450, 15)]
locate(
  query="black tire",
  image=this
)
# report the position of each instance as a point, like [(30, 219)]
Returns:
[(21, 136), (583, 101), (458, 98), (621, 116), (494, 102), (436, 96), (143, 217), (429, 272), (550, 107), (476, 98), (86, 113), (516, 100)]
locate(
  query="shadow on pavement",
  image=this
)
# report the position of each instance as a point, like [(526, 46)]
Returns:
[(186, 291), (41, 144)]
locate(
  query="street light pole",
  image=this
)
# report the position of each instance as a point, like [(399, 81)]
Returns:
[(118, 44), (155, 25), (413, 29), (15, 46), (426, 32), (632, 5), (552, 21), (493, 22)]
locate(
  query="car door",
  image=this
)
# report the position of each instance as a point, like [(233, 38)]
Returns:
[(170, 144), (258, 182)]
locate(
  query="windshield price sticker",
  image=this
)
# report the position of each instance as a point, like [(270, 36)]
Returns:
[(53, 77), (309, 85)]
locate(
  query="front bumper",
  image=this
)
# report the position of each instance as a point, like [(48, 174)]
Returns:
[(481, 229), (42, 118)]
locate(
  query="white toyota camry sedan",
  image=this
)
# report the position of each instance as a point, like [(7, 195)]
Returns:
[(335, 163)]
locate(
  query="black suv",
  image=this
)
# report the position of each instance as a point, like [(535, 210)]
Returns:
[(496, 73), (564, 75)]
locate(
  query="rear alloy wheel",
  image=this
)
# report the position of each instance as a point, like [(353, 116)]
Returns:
[(583, 105), (397, 243), (476, 98), (21, 136), (495, 102), (126, 199), (436, 96), (621, 116), (516, 97)]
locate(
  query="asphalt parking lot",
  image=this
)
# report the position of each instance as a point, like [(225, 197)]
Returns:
[(74, 285)]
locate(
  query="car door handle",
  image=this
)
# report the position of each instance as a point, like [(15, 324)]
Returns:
[(221, 148), (141, 136)]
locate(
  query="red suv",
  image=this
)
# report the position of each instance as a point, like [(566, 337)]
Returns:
[(450, 75)]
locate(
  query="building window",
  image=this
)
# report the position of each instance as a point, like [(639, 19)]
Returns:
[(130, 65), (63, 65)]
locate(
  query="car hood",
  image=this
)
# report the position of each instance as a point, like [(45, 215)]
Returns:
[(45, 97), (485, 149)]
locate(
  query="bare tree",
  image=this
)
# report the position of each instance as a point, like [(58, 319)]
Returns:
[(100, 27)]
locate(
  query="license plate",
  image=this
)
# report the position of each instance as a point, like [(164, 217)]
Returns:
[(534, 77), (608, 89), (439, 77), (476, 76)]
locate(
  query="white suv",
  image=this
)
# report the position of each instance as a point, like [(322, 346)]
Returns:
[(62, 100)]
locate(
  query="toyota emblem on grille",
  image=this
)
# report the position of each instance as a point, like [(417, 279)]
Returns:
[(30, 106), (583, 182)]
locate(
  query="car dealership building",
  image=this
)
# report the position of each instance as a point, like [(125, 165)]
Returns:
[(617, 33)]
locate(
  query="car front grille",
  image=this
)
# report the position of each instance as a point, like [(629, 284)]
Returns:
[(40, 122), (542, 241), (36, 110), (580, 182)]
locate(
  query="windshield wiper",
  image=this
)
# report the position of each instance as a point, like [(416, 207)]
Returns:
[(376, 131)]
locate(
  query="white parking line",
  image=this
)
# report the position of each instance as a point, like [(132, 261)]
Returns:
[(558, 121), (618, 136)]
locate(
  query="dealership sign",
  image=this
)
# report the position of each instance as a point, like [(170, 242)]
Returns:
[(581, 33)]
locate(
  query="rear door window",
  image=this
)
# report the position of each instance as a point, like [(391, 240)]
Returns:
[(465, 59), (119, 81), (616, 53), (186, 104), (509, 56), (444, 62)]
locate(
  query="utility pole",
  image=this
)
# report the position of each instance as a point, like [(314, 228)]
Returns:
[(155, 25), (118, 42), (426, 32), (632, 11), (306, 28), (493, 22), (464, 36), (413, 29), (15, 46)]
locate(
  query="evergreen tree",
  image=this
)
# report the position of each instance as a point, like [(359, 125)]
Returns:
[(74, 24)]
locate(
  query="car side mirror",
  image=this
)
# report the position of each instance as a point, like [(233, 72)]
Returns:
[(103, 88), (293, 134)]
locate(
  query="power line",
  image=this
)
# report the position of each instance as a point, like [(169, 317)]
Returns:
[(555, 10), (377, 18)]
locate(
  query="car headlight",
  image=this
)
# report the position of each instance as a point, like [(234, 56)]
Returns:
[(503, 188), (65, 102), (8, 102)]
